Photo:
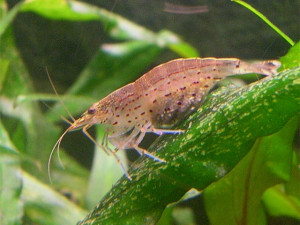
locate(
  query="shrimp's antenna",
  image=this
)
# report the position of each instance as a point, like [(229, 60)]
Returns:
[(62, 117), (57, 145), (59, 98)]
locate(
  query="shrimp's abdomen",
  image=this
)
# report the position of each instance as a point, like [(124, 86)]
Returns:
[(172, 89)]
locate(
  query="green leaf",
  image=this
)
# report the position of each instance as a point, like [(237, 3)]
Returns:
[(41, 203), (5, 142), (216, 138), (180, 215), (11, 70), (176, 45), (279, 203), (166, 217), (284, 199), (183, 50), (292, 187), (292, 58), (11, 206), (3, 71), (117, 26), (236, 199), (7, 18), (59, 10)]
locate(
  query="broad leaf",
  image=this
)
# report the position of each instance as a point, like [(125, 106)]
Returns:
[(236, 199)]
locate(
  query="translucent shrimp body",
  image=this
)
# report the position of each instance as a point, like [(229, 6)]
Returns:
[(159, 98)]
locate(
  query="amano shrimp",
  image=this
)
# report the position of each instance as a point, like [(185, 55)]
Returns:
[(158, 99)]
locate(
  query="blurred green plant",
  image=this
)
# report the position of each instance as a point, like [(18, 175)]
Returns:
[(246, 133)]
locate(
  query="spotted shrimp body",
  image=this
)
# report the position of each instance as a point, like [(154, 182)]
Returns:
[(159, 98)]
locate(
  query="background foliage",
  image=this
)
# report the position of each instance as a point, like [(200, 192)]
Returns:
[(259, 121)]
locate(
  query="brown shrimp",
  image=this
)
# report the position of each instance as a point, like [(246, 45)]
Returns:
[(159, 98)]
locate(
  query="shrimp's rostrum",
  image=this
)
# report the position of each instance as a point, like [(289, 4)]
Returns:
[(159, 98)]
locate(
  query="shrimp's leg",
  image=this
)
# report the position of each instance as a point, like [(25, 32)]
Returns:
[(84, 130), (124, 142), (105, 142), (114, 153), (121, 164), (142, 151), (165, 131), (149, 128), (133, 140), (107, 149)]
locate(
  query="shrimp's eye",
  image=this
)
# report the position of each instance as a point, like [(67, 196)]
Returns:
[(91, 111)]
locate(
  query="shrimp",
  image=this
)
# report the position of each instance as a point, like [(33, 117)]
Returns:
[(158, 99)]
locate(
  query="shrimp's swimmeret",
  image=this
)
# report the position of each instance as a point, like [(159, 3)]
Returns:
[(159, 98)]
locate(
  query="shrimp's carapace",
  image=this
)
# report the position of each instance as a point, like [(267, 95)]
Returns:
[(160, 97)]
